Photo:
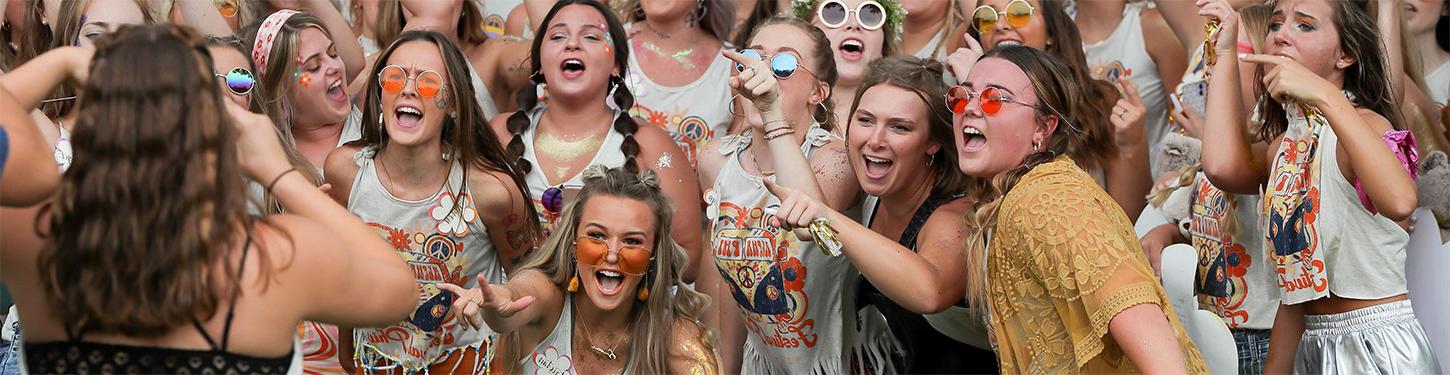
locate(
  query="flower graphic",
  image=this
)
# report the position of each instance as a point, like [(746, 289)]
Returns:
[(551, 361), (454, 221)]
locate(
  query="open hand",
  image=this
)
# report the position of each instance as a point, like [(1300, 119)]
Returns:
[(496, 298)]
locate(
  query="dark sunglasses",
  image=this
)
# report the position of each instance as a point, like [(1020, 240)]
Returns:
[(239, 80), (782, 65), (870, 14)]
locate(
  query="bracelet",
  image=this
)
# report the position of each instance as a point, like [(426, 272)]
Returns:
[(778, 132), (278, 178)]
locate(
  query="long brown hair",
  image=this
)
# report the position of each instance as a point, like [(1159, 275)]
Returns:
[(527, 96), (467, 138), (1367, 79), (154, 201), (1052, 81), (652, 327), (923, 78), (68, 22), (825, 69)]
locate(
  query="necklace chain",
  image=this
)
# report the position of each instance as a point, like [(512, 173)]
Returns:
[(598, 351)]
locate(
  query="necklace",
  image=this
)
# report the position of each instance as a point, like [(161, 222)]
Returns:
[(661, 34), (600, 352), (681, 56)]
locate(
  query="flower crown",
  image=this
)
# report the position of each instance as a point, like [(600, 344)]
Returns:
[(895, 14)]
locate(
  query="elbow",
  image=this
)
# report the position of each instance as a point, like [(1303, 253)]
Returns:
[(35, 191), (929, 301), (1400, 208), (403, 298)]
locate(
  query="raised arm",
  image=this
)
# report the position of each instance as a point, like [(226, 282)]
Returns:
[(1183, 17), (32, 82), (519, 304), (1227, 159), (30, 175)]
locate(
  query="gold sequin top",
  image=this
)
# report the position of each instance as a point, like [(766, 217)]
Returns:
[(1064, 261)]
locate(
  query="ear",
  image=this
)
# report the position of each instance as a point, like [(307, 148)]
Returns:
[(1344, 61), (1045, 130), (933, 150), (821, 93)]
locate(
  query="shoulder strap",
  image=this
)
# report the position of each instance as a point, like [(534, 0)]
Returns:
[(232, 308), (918, 220)]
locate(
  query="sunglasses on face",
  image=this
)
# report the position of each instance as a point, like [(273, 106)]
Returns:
[(990, 99), (633, 259), (393, 78), (782, 65), (870, 14), (239, 80), (1018, 14)]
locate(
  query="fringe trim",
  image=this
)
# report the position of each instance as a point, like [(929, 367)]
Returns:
[(371, 360)]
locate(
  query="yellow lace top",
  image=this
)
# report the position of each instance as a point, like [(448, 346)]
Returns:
[(1063, 262)]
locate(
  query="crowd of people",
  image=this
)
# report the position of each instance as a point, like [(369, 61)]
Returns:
[(716, 186)]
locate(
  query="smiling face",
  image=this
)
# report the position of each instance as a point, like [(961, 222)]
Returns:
[(889, 141), (317, 92), (1303, 30), (618, 222), (104, 17), (855, 47), (1421, 15), (991, 144), (802, 90), (223, 60), (410, 117), (576, 55), (1033, 34)]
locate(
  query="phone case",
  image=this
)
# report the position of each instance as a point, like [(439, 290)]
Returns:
[(1194, 95)]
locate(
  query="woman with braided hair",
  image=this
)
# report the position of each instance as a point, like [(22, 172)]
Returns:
[(581, 54)]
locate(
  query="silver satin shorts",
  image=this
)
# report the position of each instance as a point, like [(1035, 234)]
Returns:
[(1382, 339)]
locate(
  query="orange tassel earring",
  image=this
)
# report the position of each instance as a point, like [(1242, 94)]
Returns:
[(574, 284), (643, 294)]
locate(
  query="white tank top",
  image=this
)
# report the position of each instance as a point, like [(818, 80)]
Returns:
[(555, 354), (692, 114), (1438, 81), (481, 94), (1318, 234), (1124, 51), (608, 154), (440, 245), (795, 299), (496, 15), (931, 50)]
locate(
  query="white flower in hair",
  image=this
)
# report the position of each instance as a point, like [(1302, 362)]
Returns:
[(451, 221)]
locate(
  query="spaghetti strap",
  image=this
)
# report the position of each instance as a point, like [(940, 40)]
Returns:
[(231, 309)]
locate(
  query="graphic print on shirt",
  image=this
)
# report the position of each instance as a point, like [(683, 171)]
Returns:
[(1292, 210), (1223, 262), (1110, 71), (433, 249), (765, 279), (690, 132), (552, 361)]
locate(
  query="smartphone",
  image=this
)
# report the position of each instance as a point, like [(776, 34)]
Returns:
[(1193, 96)]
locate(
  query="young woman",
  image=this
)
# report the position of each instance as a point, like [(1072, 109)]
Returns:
[(861, 31), (301, 65), (796, 302), (1115, 152), (1132, 40), (1429, 24), (677, 74), (103, 302), (582, 55), (1065, 279), (604, 295), (909, 245), (931, 28), (1334, 188), (456, 217)]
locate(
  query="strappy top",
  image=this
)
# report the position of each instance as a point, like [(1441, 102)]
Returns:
[(76, 356)]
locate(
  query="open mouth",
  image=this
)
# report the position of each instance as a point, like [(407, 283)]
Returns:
[(1008, 42), (408, 116), (972, 139), (877, 168), (335, 91), (573, 68), (852, 49), (609, 281)]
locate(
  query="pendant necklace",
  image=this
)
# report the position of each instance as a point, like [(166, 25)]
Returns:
[(598, 351)]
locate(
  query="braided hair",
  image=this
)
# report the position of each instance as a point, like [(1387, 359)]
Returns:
[(527, 96)]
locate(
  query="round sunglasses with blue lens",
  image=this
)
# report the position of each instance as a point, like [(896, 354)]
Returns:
[(239, 80), (782, 65)]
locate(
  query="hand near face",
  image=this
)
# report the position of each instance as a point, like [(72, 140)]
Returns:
[(1128, 115), (756, 83), (259, 148), (960, 62), (1286, 79)]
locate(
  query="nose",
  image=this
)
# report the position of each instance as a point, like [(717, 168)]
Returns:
[(876, 139), (1280, 38), (573, 44)]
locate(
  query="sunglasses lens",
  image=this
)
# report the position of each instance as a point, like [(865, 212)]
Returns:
[(227, 8), (784, 65), (991, 101), (957, 99), (985, 18), (590, 250), (747, 52), (429, 82), (633, 260), (393, 79), (239, 81), (833, 14), (871, 15), (1019, 13)]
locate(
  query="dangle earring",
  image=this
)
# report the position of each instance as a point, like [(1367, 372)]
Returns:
[(614, 82), (380, 120), (643, 294), (440, 100), (699, 15), (573, 284), (930, 158)]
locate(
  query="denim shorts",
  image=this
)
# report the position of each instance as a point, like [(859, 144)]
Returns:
[(1253, 346)]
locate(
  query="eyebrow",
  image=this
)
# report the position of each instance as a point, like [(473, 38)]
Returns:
[(604, 228)]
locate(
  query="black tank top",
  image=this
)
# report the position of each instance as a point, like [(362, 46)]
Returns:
[(76, 356), (925, 350)]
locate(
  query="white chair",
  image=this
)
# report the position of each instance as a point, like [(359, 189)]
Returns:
[(1206, 329), (1425, 264)]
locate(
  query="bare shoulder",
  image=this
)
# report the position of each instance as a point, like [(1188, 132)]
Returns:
[(653, 139), (951, 217), (493, 191), (339, 165), (500, 126), (708, 162), (1375, 121), (691, 349)]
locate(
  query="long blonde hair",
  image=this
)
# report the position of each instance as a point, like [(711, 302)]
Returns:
[(671, 299)]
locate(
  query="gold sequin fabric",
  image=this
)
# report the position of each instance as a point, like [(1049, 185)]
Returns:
[(1064, 261)]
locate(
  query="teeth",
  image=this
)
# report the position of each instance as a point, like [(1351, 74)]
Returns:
[(1009, 43), (410, 110), (335, 84), (851, 43), (610, 273), (971, 131), (876, 160)]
